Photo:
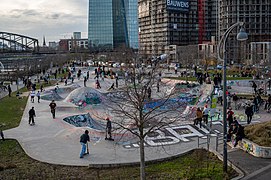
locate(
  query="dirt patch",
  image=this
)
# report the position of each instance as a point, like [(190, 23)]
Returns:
[(259, 133)]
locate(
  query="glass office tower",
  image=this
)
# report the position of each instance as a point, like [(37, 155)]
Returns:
[(112, 23)]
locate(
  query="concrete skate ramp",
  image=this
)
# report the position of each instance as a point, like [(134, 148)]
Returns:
[(85, 120), (59, 94), (85, 96)]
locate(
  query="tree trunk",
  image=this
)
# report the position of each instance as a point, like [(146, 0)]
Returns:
[(142, 156)]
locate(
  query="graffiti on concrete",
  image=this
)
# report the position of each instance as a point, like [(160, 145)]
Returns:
[(172, 135), (84, 120), (254, 149)]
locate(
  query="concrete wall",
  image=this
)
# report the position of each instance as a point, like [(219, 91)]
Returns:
[(254, 149)]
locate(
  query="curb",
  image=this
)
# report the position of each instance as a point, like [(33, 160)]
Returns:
[(257, 172), (100, 166), (239, 171)]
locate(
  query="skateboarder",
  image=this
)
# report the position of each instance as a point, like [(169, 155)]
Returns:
[(83, 140), (108, 129), (32, 114), (53, 108)]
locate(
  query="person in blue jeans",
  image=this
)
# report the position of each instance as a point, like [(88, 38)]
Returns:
[(83, 140)]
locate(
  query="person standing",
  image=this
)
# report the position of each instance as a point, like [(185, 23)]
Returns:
[(235, 99), (198, 117), (32, 114), (32, 96), (85, 81), (256, 104), (53, 108), (98, 86), (219, 96), (83, 141), (249, 113), (72, 79), (230, 114), (117, 78), (38, 95), (108, 129), (149, 93), (205, 114), (254, 86), (9, 91)]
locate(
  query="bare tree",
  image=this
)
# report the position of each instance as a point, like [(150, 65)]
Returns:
[(186, 56), (145, 110)]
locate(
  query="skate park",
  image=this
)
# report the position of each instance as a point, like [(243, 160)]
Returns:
[(79, 108)]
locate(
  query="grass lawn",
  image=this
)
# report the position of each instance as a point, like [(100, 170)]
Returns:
[(15, 164), (11, 111), (259, 133), (183, 78), (12, 108)]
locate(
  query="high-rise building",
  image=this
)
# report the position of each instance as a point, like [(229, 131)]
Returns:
[(256, 15), (77, 35), (112, 23), (165, 24)]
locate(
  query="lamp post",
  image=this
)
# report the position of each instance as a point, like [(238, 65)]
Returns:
[(241, 36)]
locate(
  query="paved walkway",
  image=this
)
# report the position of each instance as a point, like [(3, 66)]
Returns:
[(57, 142)]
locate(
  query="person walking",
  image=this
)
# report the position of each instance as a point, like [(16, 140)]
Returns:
[(111, 87), (38, 95), (9, 91), (83, 141), (53, 108), (32, 114)]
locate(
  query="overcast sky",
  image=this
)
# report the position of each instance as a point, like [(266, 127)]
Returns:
[(54, 19)]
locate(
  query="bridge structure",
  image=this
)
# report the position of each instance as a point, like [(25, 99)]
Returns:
[(13, 43)]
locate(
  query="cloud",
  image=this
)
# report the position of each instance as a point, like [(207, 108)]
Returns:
[(36, 18), (17, 13), (53, 16)]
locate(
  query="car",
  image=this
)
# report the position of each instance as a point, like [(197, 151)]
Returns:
[(116, 65), (219, 66), (90, 63), (122, 64)]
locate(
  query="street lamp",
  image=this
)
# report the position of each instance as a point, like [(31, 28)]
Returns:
[(241, 36)]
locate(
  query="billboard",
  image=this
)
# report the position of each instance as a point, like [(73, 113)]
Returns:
[(178, 5)]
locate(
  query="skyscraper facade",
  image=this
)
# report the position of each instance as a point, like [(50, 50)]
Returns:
[(167, 23), (112, 23), (256, 15)]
